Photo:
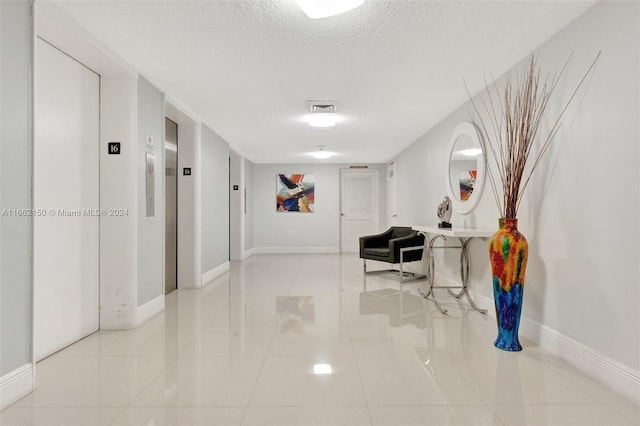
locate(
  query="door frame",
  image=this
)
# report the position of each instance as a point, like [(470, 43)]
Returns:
[(164, 206), (189, 196), (392, 219)]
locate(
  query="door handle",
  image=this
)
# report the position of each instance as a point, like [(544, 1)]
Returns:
[(395, 215), (343, 215)]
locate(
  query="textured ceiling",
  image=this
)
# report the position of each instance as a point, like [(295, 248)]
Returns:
[(247, 68)]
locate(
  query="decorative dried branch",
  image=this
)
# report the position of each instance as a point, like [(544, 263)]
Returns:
[(514, 119)]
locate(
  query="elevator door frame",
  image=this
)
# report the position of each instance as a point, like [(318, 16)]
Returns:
[(168, 287)]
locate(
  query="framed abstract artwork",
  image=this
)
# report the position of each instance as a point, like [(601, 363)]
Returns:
[(295, 193)]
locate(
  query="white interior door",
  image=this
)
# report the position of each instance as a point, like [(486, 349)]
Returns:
[(66, 197), (358, 207), (392, 194)]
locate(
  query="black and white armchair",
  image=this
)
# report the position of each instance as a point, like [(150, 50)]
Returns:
[(397, 245)]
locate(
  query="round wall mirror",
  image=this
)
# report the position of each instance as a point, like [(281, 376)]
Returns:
[(465, 172)]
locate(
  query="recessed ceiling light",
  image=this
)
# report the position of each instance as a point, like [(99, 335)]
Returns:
[(316, 9), (322, 369)]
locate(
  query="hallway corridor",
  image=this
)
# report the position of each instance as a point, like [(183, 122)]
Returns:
[(242, 351)]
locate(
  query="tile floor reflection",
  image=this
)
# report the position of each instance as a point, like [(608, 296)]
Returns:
[(242, 350)]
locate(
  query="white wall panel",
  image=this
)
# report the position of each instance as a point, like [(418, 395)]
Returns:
[(320, 229), (581, 211), (16, 65), (215, 200)]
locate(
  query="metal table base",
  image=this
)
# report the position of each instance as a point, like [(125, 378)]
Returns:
[(464, 272)]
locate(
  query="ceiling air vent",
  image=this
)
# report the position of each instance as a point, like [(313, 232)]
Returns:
[(323, 108), (322, 114)]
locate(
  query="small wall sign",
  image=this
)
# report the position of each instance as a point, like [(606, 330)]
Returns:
[(186, 171), (114, 148)]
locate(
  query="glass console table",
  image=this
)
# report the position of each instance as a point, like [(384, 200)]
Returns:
[(464, 235)]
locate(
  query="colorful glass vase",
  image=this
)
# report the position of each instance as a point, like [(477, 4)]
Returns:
[(508, 251)]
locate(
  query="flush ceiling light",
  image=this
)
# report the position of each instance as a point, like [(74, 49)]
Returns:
[(316, 9), (322, 119), (321, 154), (322, 369)]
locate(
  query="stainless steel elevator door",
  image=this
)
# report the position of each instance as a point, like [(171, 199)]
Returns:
[(170, 206)]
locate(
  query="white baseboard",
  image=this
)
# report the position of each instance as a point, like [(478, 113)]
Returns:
[(296, 250), (150, 308), (123, 320), (215, 273), (15, 385), (614, 374), (247, 254)]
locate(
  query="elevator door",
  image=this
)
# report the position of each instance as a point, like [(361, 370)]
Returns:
[(66, 195), (171, 206)]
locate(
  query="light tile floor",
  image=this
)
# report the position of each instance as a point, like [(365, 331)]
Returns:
[(241, 351)]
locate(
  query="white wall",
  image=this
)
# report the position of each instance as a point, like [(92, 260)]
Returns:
[(581, 213), (15, 187), (189, 195), (118, 173), (215, 200), (150, 229), (130, 249), (307, 232), (118, 190), (236, 206)]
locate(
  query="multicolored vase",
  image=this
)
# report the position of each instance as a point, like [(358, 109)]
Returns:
[(508, 250)]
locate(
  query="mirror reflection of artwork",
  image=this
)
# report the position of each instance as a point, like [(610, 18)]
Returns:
[(465, 171), (294, 312), (467, 183), (295, 193)]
